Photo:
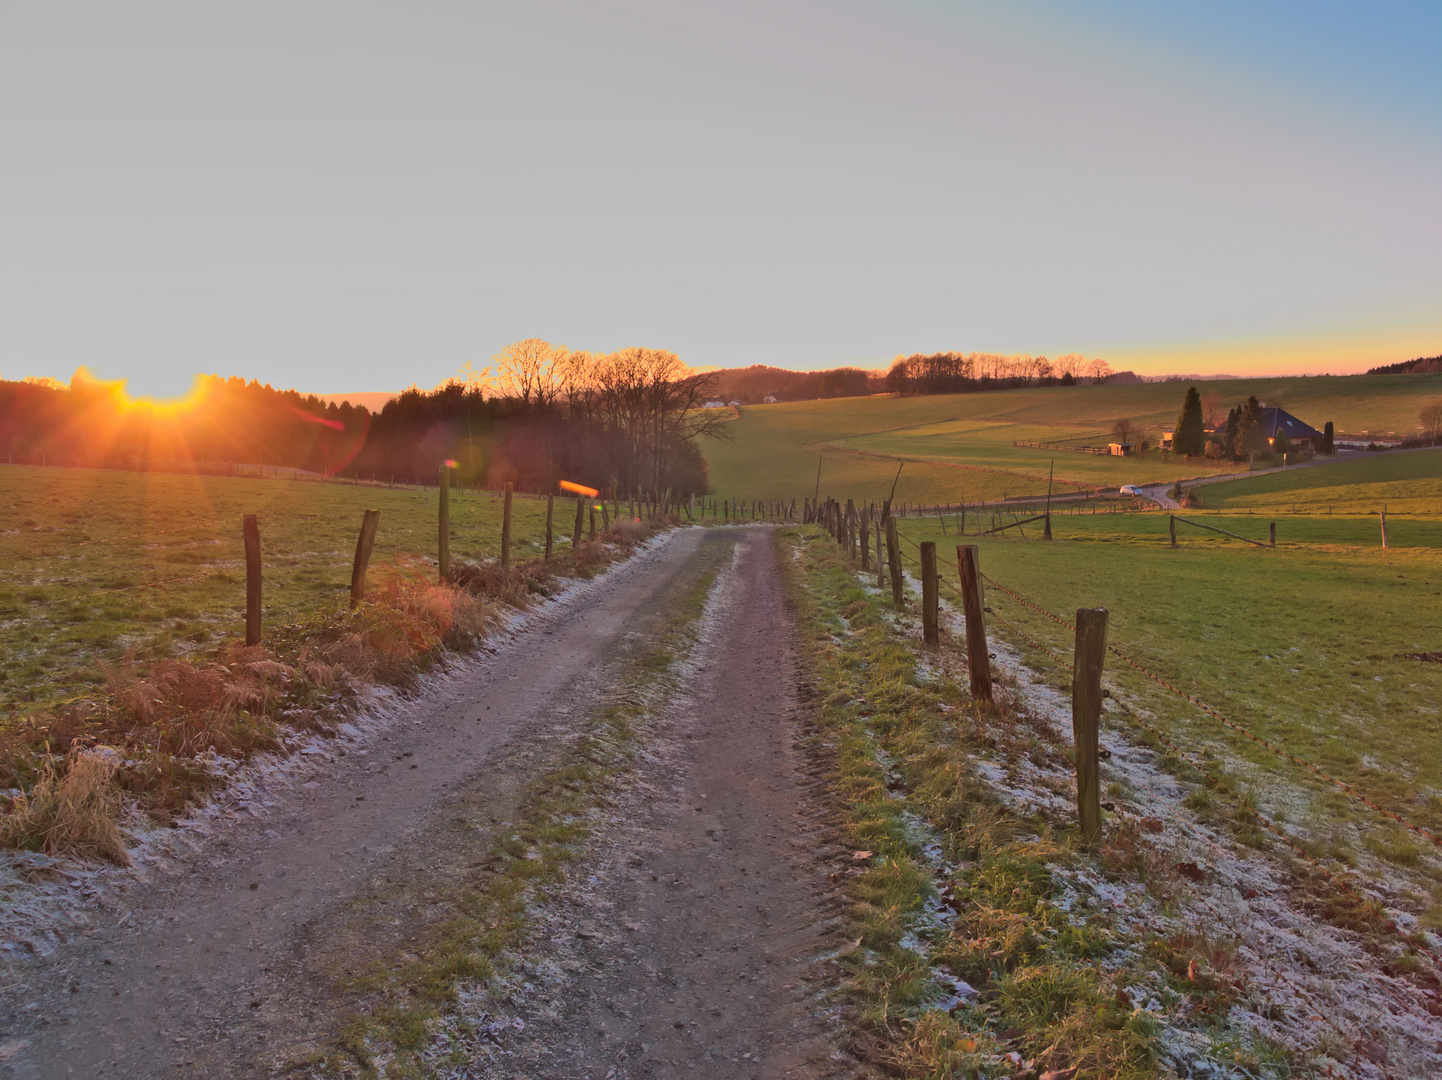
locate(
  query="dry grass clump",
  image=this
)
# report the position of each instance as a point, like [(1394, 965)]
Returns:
[(74, 812)]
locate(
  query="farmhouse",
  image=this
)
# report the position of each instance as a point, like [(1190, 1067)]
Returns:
[(1299, 433)]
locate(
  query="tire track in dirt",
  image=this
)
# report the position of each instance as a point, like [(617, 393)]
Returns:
[(697, 940), (233, 960)]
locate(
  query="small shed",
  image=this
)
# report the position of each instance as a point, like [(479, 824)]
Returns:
[(1121, 449)]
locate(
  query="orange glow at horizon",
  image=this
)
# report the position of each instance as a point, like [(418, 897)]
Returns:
[(115, 389)]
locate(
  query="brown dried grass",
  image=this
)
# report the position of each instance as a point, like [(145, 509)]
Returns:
[(76, 812)]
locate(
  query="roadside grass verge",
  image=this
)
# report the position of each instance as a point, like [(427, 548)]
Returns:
[(972, 957), (170, 729), (1311, 646), (415, 1013), (97, 564)]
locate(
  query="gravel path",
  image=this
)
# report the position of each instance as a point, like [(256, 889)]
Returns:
[(230, 961)]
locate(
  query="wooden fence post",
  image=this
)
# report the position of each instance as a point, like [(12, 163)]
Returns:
[(443, 546), (1272, 534), (605, 517), (973, 604), (591, 510), (250, 529), (550, 519), (1086, 711), (1172, 526), (506, 528), (851, 528), (893, 560), (1384, 526), (865, 541), (880, 560), (930, 595), (580, 523), (363, 546)]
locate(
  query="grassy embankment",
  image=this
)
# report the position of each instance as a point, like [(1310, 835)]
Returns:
[(78, 542), (960, 446), (158, 673), (952, 883), (1306, 644)]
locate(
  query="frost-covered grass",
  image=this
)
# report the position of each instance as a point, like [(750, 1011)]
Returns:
[(1306, 644)]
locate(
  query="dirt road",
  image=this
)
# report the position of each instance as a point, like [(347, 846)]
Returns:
[(696, 940)]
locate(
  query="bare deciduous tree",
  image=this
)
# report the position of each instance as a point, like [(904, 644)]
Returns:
[(534, 372), (1429, 420)]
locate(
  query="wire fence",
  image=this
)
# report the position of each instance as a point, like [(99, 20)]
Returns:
[(1258, 818)]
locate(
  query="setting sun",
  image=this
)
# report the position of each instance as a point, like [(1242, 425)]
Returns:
[(170, 400)]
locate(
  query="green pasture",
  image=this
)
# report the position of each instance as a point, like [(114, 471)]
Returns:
[(1303, 643), (1405, 482), (959, 446), (76, 543)]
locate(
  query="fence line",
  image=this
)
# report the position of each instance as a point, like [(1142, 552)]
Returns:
[(1240, 729)]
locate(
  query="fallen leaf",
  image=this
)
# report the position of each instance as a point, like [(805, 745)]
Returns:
[(1059, 1074), (1194, 973), (1152, 824), (1191, 870), (857, 856), (1372, 1050)]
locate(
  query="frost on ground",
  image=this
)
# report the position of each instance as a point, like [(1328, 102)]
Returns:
[(46, 901), (1348, 1003)]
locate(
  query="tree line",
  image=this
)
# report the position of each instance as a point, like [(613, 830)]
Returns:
[(958, 373), (627, 422)]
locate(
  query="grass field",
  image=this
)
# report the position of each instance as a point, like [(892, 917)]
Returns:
[(1405, 483), (1305, 644), (82, 552), (959, 446)]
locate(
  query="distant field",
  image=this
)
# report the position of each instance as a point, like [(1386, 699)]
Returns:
[(1406, 483), (76, 543), (960, 444), (1303, 643)]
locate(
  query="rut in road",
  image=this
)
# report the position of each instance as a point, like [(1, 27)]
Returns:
[(698, 943), (239, 956)]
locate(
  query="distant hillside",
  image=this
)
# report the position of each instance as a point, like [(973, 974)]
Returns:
[(1423, 365), (752, 385)]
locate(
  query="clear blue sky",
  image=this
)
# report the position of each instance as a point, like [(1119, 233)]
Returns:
[(351, 195)]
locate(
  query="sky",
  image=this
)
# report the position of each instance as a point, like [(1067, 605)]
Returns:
[(352, 195)]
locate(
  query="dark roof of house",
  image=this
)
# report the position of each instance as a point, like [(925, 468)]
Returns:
[(1274, 418)]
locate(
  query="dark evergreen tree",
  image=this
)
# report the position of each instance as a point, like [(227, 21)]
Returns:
[(1252, 438), (1328, 434), (1232, 438), (1190, 435)]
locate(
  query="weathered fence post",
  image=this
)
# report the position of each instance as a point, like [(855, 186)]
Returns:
[(1086, 711), (605, 517), (1272, 534), (506, 528), (865, 540), (363, 546), (1384, 525), (851, 528), (580, 523), (443, 546), (893, 560), (978, 657), (550, 519), (250, 529), (1172, 527), (880, 560), (591, 509), (930, 595)]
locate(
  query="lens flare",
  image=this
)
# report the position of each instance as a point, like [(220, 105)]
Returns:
[(580, 489)]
